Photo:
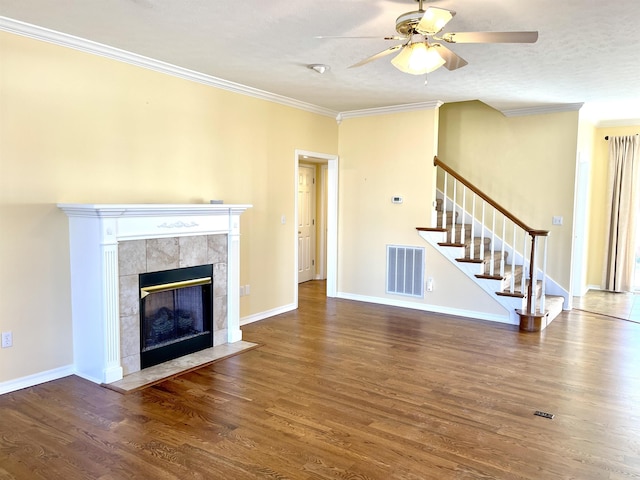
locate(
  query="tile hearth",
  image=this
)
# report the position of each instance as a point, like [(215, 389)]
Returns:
[(152, 375)]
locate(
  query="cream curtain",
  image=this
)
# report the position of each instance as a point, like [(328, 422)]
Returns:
[(623, 206)]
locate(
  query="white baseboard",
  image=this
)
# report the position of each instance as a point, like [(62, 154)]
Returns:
[(593, 287), (42, 377), (429, 308), (266, 314), (35, 379), (92, 379)]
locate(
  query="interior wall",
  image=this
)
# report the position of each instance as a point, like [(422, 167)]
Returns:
[(380, 157), (79, 128), (582, 206), (527, 164), (598, 204)]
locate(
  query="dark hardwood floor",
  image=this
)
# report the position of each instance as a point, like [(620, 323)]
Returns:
[(348, 390)]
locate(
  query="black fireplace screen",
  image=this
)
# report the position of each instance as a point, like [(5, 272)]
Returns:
[(172, 315), (175, 313)]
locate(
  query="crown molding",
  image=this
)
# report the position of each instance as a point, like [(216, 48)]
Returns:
[(542, 109), (70, 41), (409, 107), (51, 36), (626, 122)]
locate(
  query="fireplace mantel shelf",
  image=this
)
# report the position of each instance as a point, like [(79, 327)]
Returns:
[(95, 230), (150, 209)]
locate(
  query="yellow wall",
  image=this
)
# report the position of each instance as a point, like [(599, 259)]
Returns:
[(527, 164), (381, 156), (598, 216), (80, 128)]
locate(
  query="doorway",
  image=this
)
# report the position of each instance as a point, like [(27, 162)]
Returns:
[(326, 168)]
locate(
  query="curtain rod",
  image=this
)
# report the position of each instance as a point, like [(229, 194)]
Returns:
[(607, 137)]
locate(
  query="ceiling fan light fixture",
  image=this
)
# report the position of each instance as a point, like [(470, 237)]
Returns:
[(434, 20), (418, 59)]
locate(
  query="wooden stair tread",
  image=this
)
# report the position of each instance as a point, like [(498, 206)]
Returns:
[(470, 260), (489, 277), (510, 294), (450, 244)]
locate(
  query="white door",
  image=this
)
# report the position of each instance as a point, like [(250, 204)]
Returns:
[(306, 222)]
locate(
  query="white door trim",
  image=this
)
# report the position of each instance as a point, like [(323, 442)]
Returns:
[(580, 223), (332, 218), (321, 263)]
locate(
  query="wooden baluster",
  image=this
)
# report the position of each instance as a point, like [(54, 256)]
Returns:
[(473, 224), (524, 257), (531, 300), (454, 206), (504, 241), (493, 242), (544, 274), (464, 209), (512, 288), (481, 255), (444, 201)]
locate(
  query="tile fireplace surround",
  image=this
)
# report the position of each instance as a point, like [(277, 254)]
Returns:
[(147, 237)]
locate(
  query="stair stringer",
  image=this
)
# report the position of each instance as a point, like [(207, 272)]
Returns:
[(490, 286)]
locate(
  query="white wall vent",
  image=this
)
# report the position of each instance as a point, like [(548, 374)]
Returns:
[(405, 270)]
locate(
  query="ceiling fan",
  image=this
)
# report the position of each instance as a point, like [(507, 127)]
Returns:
[(420, 53)]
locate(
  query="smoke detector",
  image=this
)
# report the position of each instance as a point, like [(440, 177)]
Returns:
[(319, 67)]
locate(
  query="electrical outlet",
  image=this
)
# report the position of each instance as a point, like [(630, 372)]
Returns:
[(556, 220), (7, 339), (430, 284)]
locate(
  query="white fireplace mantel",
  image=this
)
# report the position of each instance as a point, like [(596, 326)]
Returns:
[(94, 233)]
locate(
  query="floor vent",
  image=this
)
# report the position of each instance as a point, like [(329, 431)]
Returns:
[(544, 414), (405, 270)]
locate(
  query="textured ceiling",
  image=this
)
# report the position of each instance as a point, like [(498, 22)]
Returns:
[(587, 51)]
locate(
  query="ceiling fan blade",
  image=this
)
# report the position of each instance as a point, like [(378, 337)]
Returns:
[(381, 54), (434, 20), (451, 59), (491, 37), (374, 37)]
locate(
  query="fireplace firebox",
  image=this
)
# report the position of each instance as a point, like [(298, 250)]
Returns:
[(176, 313)]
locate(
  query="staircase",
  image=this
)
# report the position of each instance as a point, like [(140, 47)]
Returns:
[(510, 275)]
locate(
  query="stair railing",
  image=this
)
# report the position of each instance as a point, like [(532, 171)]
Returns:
[(529, 276)]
